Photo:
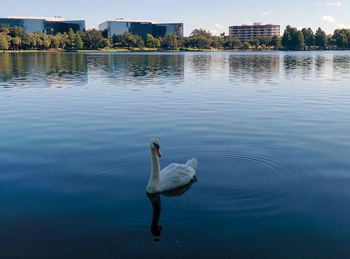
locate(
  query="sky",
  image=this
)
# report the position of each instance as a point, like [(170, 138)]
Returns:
[(215, 16)]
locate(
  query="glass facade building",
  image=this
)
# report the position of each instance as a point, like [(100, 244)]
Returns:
[(44, 25), (141, 28)]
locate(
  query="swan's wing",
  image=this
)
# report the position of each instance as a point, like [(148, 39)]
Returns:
[(175, 176)]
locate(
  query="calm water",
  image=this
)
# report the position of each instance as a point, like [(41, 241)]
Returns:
[(270, 132)]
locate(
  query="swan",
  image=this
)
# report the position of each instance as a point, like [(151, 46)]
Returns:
[(173, 176)]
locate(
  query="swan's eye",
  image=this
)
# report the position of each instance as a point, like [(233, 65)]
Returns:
[(156, 145)]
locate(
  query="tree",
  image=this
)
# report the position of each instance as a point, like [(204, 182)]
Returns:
[(71, 39), (16, 42), (92, 39), (246, 46), (139, 42), (342, 38), (79, 44), (152, 42), (321, 39), (254, 43), (4, 44), (104, 43), (4, 29), (217, 42), (309, 37), (276, 42), (201, 32), (170, 42), (129, 40), (286, 38), (293, 39), (55, 43), (231, 43)]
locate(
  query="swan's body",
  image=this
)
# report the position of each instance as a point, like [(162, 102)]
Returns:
[(171, 177)]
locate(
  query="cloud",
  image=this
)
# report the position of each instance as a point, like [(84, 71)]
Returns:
[(265, 13), (342, 26), (220, 26), (329, 4), (328, 19)]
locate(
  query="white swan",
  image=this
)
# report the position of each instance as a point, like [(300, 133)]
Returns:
[(171, 177)]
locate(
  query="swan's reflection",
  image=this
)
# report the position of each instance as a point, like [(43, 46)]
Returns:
[(155, 199)]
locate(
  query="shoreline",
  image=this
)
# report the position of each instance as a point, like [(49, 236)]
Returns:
[(146, 50)]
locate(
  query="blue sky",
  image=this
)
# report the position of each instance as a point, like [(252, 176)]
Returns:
[(215, 16)]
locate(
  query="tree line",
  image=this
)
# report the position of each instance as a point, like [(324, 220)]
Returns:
[(15, 38)]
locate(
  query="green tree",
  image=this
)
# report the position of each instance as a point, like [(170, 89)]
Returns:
[(201, 32), (170, 42), (254, 43), (92, 39), (342, 38), (104, 43), (55, 43), (286, 38), (79, 44), (4, 29), (16, 42), (4, 44), (152, 42), (217, 42), (276, 42), (321, 39), (246, 46), (309, 37), (293, 39), (231, 43), (71, 39)]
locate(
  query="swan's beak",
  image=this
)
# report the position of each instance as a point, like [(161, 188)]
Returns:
[(158, 153)]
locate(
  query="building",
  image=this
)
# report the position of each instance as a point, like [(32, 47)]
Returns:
[(50, 25), (255, 31), (141, 28)]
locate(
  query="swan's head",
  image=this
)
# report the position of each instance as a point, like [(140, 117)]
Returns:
[(155, 147)]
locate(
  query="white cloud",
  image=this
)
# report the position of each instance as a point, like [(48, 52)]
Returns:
[(265, 13), (329, 4), (342, 26), (338, 3), (220, 26), (328, 19)]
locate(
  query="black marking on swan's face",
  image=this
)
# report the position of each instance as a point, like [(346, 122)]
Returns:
[(156, 147)]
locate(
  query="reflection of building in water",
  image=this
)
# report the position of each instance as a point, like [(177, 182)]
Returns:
[(52, 69), (154, 68), (254, 67)]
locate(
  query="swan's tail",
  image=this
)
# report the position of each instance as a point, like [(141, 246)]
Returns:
[(192, 163)]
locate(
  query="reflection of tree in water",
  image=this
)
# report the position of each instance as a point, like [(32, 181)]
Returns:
[(254, 67), (155, 199), (202, 63), (341, 64), (140, 67), (295, 64), (50, 68), (320, 62)]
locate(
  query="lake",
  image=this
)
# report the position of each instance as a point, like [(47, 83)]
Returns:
[(270, 131)]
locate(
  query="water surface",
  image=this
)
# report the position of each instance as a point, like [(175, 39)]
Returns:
[(270, 132)]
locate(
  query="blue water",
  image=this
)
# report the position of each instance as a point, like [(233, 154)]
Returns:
[(270, 132)]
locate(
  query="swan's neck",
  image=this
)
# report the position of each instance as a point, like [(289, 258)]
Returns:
[(153, 184)]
